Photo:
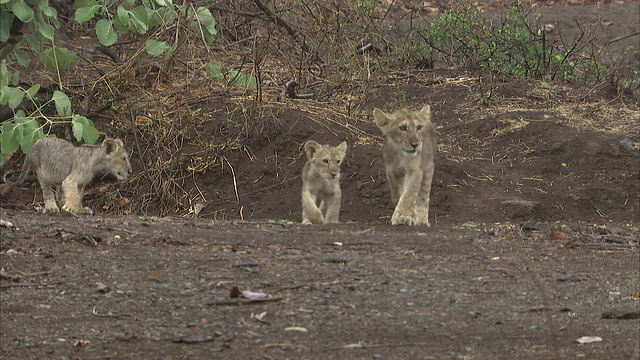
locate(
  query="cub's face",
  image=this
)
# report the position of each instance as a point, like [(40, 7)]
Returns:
[(326, 159), (404, 128), (118, 158)]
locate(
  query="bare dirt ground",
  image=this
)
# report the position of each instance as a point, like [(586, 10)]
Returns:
[(533, 245)]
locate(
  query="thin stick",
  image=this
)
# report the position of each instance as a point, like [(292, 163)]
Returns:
[(235, 183)]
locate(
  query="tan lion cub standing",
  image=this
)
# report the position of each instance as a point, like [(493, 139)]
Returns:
[(408, 157), (321, 193), (69, 168)]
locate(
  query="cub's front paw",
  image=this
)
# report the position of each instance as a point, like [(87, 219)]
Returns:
[(77, 210), (422, 219), (51, 209), (402, 218)]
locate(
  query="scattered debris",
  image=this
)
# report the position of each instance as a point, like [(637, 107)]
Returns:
[(334, 260), (296, 328), (289, 91), (246, 297), (191, 340), (6, 224), (588, 339), (260, 318), (572, 277), (253, 295), (539, 308), (558, 235), (621, 315), (102, 288)]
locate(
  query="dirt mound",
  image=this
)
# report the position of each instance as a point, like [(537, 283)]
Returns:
[(495, 164), (520, 159)]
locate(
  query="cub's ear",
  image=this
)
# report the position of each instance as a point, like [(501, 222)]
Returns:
[(110, 145), (310, 147), (381, 119), (425, 113), (342, 148)]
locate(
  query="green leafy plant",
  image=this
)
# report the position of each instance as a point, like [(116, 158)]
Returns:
[(214, 70), (112, 20), (517, 46)]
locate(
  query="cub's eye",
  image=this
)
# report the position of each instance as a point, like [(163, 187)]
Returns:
[(419, 127), (403, 128), (338, 162), (325, 161)]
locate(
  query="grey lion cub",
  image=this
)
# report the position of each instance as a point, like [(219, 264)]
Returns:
[(408, 157), (321, 193), (69, 168)]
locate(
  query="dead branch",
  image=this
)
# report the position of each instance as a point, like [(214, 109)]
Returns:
[(289, 91), (278, 21), (247, 301), (5, 286)]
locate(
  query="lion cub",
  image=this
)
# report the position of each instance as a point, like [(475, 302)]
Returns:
[(408, 157), (69, 168), (321, 193)]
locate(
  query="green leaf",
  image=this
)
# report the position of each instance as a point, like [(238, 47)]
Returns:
[(22, 57), (90, 134), (214, 70), (204, 17), (86, 13), (22, 11), (35, 40), (31, 132), (14, 78), (171, 50), (140, 19), (6, 20), (48, 11), (84, 3), (58, 57), (122, 21), (33, 91), (243, 80), (11, 96), (84, 129), (77, 128), (10, 137), (155, 47), (46, 30), (105, 33), (63, 104)]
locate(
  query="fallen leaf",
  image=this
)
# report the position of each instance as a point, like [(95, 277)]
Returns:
[(538, 308), (6, 224), (296, 328), (235, 292), (588, 339), (253, 295), (558, 235)]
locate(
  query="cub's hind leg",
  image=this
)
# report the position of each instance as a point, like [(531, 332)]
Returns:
[(49, 197)]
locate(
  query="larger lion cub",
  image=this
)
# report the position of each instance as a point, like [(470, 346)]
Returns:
[(321, 193), (69, 168), (408, 157)]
